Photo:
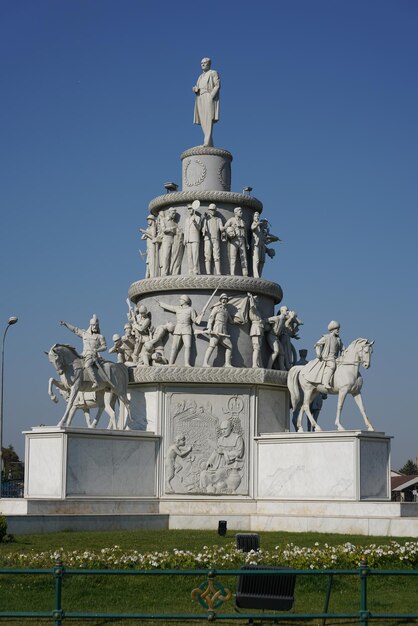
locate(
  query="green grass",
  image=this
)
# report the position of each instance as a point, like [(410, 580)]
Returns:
[(169, 594)]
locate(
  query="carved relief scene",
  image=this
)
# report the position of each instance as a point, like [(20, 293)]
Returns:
[(207, 443)]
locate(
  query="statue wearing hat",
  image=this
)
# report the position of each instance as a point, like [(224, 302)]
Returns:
[(93, 343), (328, 349), (182, 334), (212, 231), (217, 328), (191, 228), (150, 236)]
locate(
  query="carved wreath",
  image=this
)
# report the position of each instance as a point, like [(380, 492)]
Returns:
[(198, 181), (221, 176)]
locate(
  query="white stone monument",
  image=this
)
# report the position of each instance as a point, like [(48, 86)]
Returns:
[(210, 358)]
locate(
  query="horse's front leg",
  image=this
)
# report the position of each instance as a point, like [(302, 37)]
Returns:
[(295, 418), (58, 384), (359, 401), (307, 399), (87, 417), (110, 410), (342, 394), (73, 394), (94, 423)]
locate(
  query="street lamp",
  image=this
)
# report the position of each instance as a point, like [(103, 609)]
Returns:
[(11, 321)]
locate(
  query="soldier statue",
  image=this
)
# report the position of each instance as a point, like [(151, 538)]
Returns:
[(93, 343)]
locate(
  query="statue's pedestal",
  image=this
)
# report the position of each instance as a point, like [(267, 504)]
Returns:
[(66, 463), (336, 482), (346, 465)]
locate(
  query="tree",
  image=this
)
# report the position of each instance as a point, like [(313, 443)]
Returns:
[(410, 468), (12, 465)]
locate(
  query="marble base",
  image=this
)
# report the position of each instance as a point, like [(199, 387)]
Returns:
[(336, 482), (385, 519), (348, 465), (75, 462)]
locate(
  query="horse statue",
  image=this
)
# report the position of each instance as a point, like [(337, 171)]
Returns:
[(113, 380), (347, 379), (86, 401)]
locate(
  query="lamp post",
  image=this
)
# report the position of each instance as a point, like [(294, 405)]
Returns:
[(12, 320)]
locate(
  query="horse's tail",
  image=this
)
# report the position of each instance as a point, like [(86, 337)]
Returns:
[(294, 386)]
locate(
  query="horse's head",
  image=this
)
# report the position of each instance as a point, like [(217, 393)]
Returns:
[(359, 351), (54, 357), (365, 349), (61, 356)]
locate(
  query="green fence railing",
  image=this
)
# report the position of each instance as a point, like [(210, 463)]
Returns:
[(211, 595)]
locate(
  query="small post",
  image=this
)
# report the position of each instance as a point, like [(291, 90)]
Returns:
[(58, 573), (364, 613), (327, 598)]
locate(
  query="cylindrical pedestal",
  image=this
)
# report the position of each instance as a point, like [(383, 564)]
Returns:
[(205, 168)]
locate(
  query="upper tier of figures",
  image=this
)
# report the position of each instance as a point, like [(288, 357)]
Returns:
[(207, 241)]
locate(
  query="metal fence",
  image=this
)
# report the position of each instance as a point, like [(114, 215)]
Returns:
[(212, 595), (12, 488)]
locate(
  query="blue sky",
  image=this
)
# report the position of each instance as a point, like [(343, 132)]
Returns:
[(319, 108)]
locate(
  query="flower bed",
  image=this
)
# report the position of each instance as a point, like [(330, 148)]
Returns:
[(346, 556)]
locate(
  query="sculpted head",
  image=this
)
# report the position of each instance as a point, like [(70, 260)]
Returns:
[(334, 327), (190, 209), (171, 212), (212, 208), (150, 219), (185, 300), (223, 298), (238, 211), (256, 216), (205, 64), (226, 428), (94, 325), (180, 440), (283, 310)]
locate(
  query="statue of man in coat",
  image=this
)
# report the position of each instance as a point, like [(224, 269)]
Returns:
[(206, 109)]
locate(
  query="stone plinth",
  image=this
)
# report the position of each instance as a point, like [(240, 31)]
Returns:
[(70, 463), (205, 168), (193, 403), (349, 465)]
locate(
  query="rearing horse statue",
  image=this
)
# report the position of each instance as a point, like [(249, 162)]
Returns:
[(113, 380), (347, 379)]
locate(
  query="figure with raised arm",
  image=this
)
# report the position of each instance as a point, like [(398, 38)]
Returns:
[(206, 108), (177, 449), (279, 341), (93, 343), (183, 330), (217, 328), (141, 327)]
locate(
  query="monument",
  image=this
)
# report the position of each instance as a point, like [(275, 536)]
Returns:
[(209, 348)]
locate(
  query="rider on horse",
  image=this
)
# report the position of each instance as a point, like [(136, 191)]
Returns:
[(93, 343), (328, 349)]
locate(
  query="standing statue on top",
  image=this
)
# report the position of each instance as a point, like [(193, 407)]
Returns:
[(206, 109)]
